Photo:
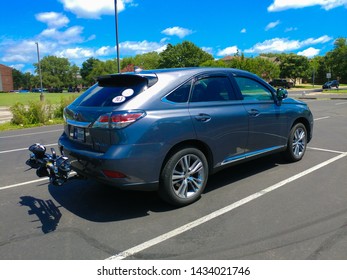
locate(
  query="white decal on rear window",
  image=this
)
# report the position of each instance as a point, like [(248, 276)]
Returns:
[(128, 92), (118, 99)]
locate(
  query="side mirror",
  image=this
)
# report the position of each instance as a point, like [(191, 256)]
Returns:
[(281, 94)]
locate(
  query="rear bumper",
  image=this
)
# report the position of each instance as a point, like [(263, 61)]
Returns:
[(139, 163)]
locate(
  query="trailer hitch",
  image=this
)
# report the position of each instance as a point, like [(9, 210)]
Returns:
[(57, 168)]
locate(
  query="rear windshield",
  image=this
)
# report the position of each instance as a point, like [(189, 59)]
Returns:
[(114, 90)]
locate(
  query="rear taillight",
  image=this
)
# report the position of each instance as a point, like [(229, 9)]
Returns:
[(118, 119)]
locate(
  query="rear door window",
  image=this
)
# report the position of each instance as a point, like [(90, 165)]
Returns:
[(212, 89)]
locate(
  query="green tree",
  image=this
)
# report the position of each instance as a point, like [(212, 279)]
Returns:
[(126, 62), (147, 60), (102, 68), (18, 78), (55, 71), (294, 66), (185, 54), (336, 60), (74, 75), (87, 67), (214, 63), (313, 73), (263, 67)]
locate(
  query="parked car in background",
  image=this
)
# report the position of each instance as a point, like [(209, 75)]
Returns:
[(168, 130), (39, 90), (330, 84), (281, 83)]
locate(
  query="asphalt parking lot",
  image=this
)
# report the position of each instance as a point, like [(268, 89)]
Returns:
[(265, 209)]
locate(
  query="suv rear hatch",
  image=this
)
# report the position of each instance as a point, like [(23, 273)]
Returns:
[(93, 119)]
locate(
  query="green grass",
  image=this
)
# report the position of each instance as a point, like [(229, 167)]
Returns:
[(9, 99), (310, 86), (306, 86), (336, 91), (10, 126)]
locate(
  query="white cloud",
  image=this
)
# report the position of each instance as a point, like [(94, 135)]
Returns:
[(75, 53), (177, 31), (52, 19), (228, 51), (284, 44), (207, 49), (131, 47), (94, 8), (289, 29), (274, 45), (281, 5), (272, 25), (310, 52), (17, 66), (103, 51), (243, 30), (70, 35), (21, 51), (320, 40)]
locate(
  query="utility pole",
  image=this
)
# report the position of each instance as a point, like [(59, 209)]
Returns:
[(42, 97), (117, 42)]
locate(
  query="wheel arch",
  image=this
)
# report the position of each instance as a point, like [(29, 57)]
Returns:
[(194, 144), (307, 125)]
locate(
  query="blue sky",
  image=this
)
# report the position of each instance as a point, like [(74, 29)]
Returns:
[(80, 29)]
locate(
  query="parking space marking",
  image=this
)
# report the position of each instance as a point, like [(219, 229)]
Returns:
[(340, 103), (23, 149), (28, 134), (30, 182), (141, 247), (322, 118), (325, 150), (23, 184)]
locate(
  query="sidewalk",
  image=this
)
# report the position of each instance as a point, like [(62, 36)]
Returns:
[(5, 114), (318, 95)]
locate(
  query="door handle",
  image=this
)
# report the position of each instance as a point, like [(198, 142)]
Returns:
[(253, 112), (203, 117)]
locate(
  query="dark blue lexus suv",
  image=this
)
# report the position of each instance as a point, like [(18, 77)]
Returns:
[(168, 129)]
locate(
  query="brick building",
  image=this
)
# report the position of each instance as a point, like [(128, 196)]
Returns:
[(6, 78)]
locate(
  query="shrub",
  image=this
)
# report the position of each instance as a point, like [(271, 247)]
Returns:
[(38, 112), (35, 113), (58, 110), (19, 113)]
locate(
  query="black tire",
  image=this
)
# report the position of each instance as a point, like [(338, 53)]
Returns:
[(297, 142), (184, 177)]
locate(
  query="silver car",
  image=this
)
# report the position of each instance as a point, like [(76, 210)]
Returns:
[(169, 129)]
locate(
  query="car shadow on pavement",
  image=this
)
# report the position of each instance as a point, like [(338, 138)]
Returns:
[(96, 202), (45, 210), (241, 171)]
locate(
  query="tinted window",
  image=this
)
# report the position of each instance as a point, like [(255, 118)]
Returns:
[(112, 90), (212, 89), (253, 90), (181, 94)]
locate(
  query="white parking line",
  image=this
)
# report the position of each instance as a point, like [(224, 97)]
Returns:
[(23, 149), (341, 103), (322, 118), (202, 220), (23, 184), (30, 182), (28, 134), (325, 150)]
